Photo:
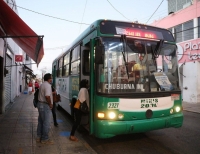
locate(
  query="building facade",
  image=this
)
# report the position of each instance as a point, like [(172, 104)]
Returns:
[(14, 75), (184, 22)]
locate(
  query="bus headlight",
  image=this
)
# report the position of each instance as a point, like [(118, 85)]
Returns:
[(171, 111), (111, 115), (177, 109), (101, 115), (120, 116)]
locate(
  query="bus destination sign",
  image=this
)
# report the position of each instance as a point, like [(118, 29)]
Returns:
[(138, 33)]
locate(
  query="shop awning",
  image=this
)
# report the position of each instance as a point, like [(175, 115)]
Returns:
[(29, 71), (15, 28), (27, 68)]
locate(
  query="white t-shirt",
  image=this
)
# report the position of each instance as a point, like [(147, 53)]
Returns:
[(83, 95), (45, 90)]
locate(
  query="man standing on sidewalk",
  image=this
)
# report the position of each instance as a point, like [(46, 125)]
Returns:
[(44, 105)]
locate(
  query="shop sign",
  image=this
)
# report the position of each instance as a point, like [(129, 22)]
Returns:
[(189, 51), (18, 58)]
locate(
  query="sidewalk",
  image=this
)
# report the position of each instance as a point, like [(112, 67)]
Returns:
[(18, 132), (191, 107)]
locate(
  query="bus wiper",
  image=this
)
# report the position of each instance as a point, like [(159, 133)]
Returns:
[(123, 38), (156, 51)]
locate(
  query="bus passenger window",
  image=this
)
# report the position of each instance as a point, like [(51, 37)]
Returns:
[(66, 70), (66, 65), (75, 67), (75, 60), (60, 65)]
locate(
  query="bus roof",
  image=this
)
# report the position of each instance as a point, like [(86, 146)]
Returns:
[(110, 26)]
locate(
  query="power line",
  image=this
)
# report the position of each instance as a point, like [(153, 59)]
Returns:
[(86, 23), (50, 15), (117, 10), (155, 11), (83, 16), (55, 48), (157, 16), (175, 14)]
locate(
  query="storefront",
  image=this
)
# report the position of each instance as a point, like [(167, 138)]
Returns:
[(185, 26), (15, 34)]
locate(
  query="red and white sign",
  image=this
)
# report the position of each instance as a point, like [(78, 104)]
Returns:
[(189, 51), (18, 58)]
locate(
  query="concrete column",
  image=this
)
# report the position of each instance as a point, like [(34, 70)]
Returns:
[(2, 88), (198, 82), (191, 85), (195, 20)]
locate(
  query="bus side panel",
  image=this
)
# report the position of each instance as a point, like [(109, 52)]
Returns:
[(67, 88), (74, 84)]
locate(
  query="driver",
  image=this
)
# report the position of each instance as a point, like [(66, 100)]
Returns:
[(139, 69), (139, 66)]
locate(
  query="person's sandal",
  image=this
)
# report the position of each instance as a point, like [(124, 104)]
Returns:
[(73, 138), (49, 141)]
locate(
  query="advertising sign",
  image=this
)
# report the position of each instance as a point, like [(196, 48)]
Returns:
[(189, 51), (18, 58)]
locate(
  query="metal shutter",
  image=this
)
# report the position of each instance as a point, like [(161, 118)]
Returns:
[(8, 81)]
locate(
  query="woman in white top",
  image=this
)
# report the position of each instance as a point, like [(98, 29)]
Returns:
[(82, 96)]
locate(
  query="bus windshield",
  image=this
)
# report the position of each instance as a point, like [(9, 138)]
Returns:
[(137, 66)]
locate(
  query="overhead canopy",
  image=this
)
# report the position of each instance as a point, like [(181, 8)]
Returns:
[(21, 33), (29, 72), (27, 68)]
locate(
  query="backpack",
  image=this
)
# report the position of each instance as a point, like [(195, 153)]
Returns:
[(35, 99)]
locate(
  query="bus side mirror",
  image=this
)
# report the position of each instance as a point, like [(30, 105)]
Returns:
[(99, 54)]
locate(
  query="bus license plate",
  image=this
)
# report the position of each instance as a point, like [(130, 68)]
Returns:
[(113, 105), (149, 105)]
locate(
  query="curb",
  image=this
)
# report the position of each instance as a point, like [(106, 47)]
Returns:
[(191, 111)]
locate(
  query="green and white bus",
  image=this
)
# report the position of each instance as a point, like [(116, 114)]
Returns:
[(128, 94)]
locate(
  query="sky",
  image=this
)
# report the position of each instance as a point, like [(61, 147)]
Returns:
[(60, 20)]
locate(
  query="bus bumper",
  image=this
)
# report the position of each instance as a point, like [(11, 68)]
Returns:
[(108, 128)]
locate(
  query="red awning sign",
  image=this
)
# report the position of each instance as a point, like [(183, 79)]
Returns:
[(18, 58), (14, 27)]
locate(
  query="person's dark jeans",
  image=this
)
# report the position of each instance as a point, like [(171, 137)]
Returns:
[(36, 88), (77, 121), (54, 114)]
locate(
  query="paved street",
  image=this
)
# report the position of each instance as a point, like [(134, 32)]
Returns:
[(192, 107), (18, 131)]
